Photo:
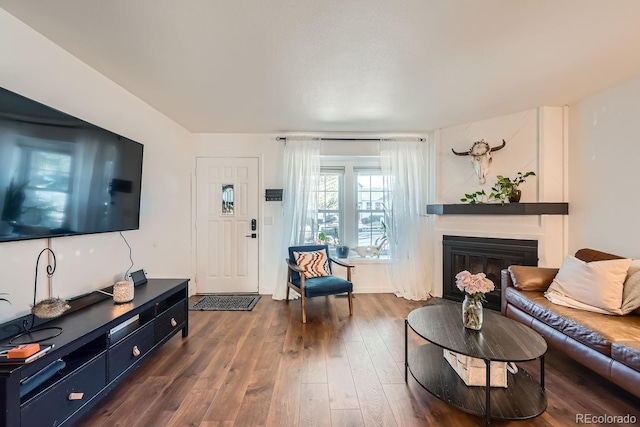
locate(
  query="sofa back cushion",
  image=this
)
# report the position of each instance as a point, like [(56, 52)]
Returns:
[(526, 278), (590, 255)]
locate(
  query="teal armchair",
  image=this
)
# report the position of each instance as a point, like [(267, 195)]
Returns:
[(323, 285)]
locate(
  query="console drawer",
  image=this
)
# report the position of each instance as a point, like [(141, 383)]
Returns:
[(129, 350), (53, 406), (171, 320)]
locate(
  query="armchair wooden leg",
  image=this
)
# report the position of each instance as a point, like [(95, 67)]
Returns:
[(350, 303), (304, 308), (288, 289)]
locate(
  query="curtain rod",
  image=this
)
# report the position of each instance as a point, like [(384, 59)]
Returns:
[(284, 138)]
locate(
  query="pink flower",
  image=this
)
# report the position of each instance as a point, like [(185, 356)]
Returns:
[(463, 280), (475, 285), (463, 274)]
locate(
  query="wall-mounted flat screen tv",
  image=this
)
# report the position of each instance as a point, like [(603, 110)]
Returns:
[(62, 176)]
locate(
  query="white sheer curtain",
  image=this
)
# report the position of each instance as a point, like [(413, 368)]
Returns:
[(405, 166), (301, 173)]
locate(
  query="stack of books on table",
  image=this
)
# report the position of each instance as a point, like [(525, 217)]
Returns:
[(24, 353)]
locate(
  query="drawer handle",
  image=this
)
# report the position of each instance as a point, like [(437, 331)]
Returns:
[(136, 352), (75, 396), (173, 322)]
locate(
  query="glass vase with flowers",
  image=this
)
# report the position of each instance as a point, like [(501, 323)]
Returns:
[(474, 286)]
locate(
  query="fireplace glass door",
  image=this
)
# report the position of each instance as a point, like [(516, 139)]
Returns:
[(483, 255)]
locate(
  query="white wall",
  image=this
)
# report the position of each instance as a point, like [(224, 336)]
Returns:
[(369, 275), (34, 67), (603, 171), (535, 142), (603, 144), (270, 154)]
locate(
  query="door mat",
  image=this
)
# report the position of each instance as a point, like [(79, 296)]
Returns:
[(226, 303)]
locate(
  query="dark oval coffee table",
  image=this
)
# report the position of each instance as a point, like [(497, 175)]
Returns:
[(500, 340)]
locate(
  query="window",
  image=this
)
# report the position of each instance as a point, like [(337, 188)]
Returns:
[(329, 206), (371, 201), (227, 199), (351, 203)]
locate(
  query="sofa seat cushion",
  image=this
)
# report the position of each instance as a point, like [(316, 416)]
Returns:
[(326, 285), (594, 330), (627, 352)]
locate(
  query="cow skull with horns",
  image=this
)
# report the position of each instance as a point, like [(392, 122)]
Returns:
[(480, 153)]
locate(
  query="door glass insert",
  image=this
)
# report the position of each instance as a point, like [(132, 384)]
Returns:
[(227, 199)]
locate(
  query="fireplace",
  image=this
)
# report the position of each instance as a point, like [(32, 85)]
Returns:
[(483, 255)]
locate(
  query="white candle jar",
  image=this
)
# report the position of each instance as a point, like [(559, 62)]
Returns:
[(123, 291)]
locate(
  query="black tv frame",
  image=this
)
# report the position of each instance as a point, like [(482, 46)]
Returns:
[(116, 185)]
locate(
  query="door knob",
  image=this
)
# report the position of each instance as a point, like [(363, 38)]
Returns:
[(252, 235)]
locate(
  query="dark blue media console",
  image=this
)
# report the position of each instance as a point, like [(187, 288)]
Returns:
[(100, 345)]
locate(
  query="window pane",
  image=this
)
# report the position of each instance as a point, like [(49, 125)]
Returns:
[(329, 224), (371, 204), (329, 210), (376, 182), (227, 199), (370, 207), (364, 181), (309, 232), (329, 196)]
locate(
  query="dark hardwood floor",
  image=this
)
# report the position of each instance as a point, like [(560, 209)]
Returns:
[(266, 368)]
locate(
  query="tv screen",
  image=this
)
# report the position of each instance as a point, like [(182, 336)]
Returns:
[(62, 176)]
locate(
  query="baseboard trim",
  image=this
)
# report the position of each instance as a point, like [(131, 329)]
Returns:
[(372, 290)]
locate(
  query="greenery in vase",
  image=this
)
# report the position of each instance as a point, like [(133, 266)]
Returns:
[(505, 186), (322, 238), (500, 192), (479, 197)]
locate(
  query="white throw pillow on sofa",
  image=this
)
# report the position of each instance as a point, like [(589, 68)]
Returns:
[(593, 286)]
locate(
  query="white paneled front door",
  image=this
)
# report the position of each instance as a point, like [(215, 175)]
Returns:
[(226, 225)]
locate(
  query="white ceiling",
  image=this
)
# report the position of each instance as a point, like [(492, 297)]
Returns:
[(258, 66)]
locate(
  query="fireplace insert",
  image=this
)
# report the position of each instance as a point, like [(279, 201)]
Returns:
[(483, 255)]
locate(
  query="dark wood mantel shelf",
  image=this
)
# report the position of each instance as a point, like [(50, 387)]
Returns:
[(498, 209)]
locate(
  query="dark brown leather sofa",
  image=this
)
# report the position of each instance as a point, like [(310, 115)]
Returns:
[(607, 344)]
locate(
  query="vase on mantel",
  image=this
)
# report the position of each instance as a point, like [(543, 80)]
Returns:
[(515, 195), (472, 312)]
